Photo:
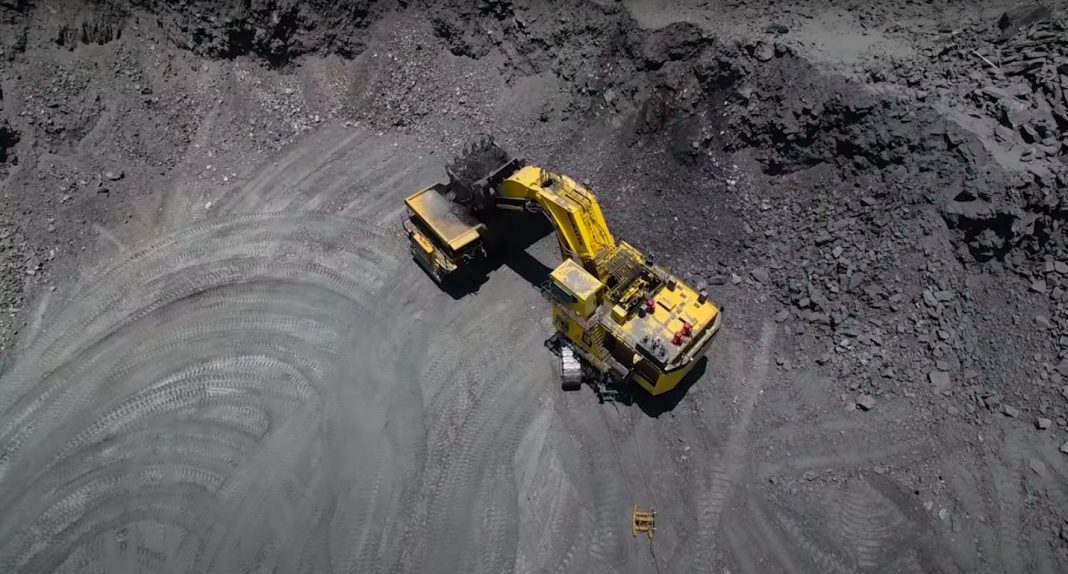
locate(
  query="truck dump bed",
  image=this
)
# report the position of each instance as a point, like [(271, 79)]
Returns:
[(447, 221)]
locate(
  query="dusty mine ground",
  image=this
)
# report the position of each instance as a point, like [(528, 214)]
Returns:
[(217, 356)]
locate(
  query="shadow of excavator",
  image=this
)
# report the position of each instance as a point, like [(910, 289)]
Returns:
[(628, 393), (508, 249)]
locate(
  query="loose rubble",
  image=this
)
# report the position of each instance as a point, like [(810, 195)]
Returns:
[(866, 402)]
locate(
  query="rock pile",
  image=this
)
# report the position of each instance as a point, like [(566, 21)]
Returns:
[(275, 30), (1010, 78), (869, 259)]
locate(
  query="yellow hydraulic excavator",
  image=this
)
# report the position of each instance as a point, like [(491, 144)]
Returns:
[(616, 313)]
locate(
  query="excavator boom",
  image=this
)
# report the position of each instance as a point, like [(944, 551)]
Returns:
[(572, 209)]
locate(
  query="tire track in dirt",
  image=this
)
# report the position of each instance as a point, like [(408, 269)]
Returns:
[(547, 502), (719, 481), (847, 459), (999, 489), (868, 522), (395, 172), (202, 333), (201, 374), (304, 360), (297, 170), (58, 394), (876, 524), (801, 534), (593, 465), (739, 517), (756, 538), (229, 251), (480, 398)]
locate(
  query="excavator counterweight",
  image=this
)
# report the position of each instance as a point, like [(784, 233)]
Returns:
[(622, 315)]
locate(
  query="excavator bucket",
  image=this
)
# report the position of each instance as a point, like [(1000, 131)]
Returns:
[(643, 521), (466, 172)]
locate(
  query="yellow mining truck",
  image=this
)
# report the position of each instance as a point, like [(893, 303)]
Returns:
[(617, 314), (443, 235)]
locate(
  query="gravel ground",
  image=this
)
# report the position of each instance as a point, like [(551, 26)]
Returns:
[(207, 302)]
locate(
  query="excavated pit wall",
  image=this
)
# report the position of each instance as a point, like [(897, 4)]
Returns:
[(863, 226)]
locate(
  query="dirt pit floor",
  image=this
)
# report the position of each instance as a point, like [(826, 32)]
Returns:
[(216, 354)]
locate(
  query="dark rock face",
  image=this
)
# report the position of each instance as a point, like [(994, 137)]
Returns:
[(8, 138), (275, 30)]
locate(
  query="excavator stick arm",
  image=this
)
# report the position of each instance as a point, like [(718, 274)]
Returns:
[(572, 209)]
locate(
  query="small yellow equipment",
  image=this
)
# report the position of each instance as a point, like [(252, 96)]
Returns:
[(618, 315), (643, 521)]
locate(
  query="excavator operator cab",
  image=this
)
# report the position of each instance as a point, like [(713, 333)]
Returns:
[(583, 290)]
